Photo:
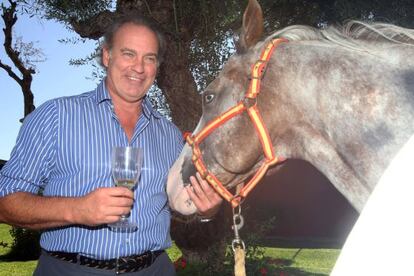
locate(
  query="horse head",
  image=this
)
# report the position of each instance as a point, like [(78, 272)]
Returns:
[(231, 152)]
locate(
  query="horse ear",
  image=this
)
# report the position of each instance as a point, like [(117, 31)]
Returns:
[(252, 28)]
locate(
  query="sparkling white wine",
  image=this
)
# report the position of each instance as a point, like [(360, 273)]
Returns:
[(128, 183)]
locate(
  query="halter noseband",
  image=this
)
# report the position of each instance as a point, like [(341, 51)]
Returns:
[(248, 104)]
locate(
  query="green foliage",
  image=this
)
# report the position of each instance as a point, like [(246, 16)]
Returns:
[(4, 244), (255, 255), (207, 59), (218, 264), (25, 244), (28, 53), (66, 10)]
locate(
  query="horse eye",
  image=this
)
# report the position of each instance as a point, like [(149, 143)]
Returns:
[(209, 97)]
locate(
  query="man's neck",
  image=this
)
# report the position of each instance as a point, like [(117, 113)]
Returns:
[(128, 115)]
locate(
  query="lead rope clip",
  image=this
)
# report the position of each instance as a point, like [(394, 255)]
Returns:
[(238, 245), (238, 222)]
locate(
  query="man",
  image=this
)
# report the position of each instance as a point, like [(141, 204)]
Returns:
[(64, 150)]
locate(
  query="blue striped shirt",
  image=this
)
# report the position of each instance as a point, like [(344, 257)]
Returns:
[(64, 147)]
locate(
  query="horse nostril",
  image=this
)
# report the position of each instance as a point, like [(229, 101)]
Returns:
[(187, 170)]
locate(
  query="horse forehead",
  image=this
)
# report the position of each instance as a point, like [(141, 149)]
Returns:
[(224, 84), (234, 71)]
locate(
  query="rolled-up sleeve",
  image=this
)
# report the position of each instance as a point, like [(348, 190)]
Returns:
[(32, 159)]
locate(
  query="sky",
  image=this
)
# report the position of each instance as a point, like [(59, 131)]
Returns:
[(55, 77)]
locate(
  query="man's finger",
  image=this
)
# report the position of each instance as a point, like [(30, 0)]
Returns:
[(122, 191), (196, 187), (193, 196), (207, 189)]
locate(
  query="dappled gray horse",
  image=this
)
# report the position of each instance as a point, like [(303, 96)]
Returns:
[(340, 99)]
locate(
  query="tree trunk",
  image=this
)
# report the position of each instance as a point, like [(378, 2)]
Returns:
[(178, 85), (27, 94)]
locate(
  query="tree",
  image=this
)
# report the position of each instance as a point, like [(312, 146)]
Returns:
[(23, 56)]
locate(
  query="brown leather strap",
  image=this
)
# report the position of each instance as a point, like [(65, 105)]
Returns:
[(121, 265)]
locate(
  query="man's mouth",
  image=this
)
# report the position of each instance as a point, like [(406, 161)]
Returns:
[(134, 78)]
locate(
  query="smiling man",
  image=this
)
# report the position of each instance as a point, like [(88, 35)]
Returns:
[(64, 149)]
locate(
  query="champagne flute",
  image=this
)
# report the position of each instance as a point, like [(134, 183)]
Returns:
[(126, 169)]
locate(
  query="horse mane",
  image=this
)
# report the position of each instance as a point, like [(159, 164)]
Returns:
[(355, 35)]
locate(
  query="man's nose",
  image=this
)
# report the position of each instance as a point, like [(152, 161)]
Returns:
[(138, 65)]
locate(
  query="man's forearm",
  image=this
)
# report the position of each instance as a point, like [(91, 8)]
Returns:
[(36, 212)]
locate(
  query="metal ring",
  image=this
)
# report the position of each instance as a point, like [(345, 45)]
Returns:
[(239, 242), (205, 220)]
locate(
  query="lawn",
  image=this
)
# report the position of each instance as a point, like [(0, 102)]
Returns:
[(275, 261), (13, 268)]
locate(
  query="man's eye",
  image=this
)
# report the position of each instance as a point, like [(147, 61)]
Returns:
[(150, 59), (128, 54)]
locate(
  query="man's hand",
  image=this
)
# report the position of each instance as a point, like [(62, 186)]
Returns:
[(204, 197), (103, 205)]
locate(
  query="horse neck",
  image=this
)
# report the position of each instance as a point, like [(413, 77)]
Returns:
[(346, 112)]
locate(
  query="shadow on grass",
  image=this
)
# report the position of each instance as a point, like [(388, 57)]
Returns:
[(17, 257), (29, 252)]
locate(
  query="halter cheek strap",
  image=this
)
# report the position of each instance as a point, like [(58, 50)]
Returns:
[(249, 104)]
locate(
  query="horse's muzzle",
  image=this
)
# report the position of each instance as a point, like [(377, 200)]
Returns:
[(188, 169)]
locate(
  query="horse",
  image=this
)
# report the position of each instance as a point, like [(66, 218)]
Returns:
[(340, 98)]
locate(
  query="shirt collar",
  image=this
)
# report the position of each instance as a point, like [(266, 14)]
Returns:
[(102, 95), (148, 110)]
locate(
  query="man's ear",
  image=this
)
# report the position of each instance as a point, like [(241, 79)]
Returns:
[(106, 55)]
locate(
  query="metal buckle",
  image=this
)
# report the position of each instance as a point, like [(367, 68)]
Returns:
[(249, 102)]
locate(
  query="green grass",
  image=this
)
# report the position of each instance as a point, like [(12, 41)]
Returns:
[(13, 268), (315, 262), (4, 237), (276, 261), (308, 261)]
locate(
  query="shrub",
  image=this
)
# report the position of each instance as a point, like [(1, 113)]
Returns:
[(25, 245)]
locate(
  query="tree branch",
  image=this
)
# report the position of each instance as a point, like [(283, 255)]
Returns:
[(94, 27), (9, 17), (10, 72)]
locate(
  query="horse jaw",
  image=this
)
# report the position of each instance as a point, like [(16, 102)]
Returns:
[(177, 195)]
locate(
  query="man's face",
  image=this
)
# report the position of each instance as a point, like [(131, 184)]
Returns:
[(131, 63)]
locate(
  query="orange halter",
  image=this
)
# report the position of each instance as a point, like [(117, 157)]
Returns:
[(247, 104)]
